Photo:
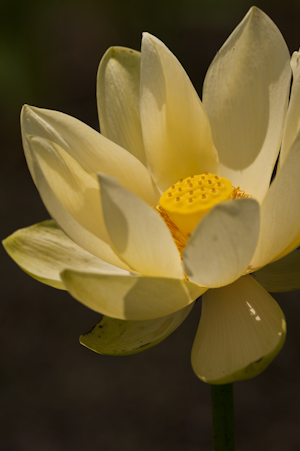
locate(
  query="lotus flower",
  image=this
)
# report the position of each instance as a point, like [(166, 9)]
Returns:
[(173, 200)]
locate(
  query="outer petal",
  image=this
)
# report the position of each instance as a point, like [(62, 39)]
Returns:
[(292, 125), (221, 247), (72, 197), (280, 212), (132, 298), (92, 151), (138, 234), (176, 130), (118, 92), (44, 250), (245, 95), (282, 275), (241, 330), (118, 337)]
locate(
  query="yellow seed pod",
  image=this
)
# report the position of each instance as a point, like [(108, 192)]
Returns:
[(188, 200)]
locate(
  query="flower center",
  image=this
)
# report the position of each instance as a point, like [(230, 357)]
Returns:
[(186, 202)]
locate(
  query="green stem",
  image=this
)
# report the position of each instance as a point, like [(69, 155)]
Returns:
[(223, 418)]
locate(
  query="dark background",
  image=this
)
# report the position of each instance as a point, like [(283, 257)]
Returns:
[(55, 394)]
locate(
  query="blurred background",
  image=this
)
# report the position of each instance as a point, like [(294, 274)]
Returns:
[(55, 394)]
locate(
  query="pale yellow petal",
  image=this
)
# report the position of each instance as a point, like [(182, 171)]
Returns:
[(245, 95), (176, 131), (292, 125), (223, 243), (131, 297), (44, 250), (118, 337), (280, 212), (137, 232), (72, 197), (241, 330), (92, 151), (118, 95), (282, 275)]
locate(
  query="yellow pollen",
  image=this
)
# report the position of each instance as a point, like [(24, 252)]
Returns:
[(190, 206)]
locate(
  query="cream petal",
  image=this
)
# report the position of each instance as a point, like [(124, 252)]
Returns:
[(118, 95), (292, 124), (245, 95), (44, 250), (282, 275), (137, 232), (241, 330), (176, 131), (223, 243), (92, 151), (118, 337), (280, 212), (72, 197), (132, 298)]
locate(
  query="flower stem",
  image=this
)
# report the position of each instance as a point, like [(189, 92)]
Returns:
[(223, 417)]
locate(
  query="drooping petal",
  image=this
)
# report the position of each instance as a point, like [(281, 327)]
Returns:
[(292, 124), (72, 197), (282, 275), (118, 95), (132, 298), (245, 95), (118, 337), (223, 243), (280, 212), (241, 330), (176, 131), (92, 151), (44, 250), (138, 234)]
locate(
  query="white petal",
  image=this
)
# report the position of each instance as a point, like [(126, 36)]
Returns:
[(176, 131), (241, 330), (280, 212), (245, 95), (118, 95), (282, 275), (223, 243), (44, 250), (137, 232), (92, 151), (72, 197), (132, 298), (292, 125), (118, 337)]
